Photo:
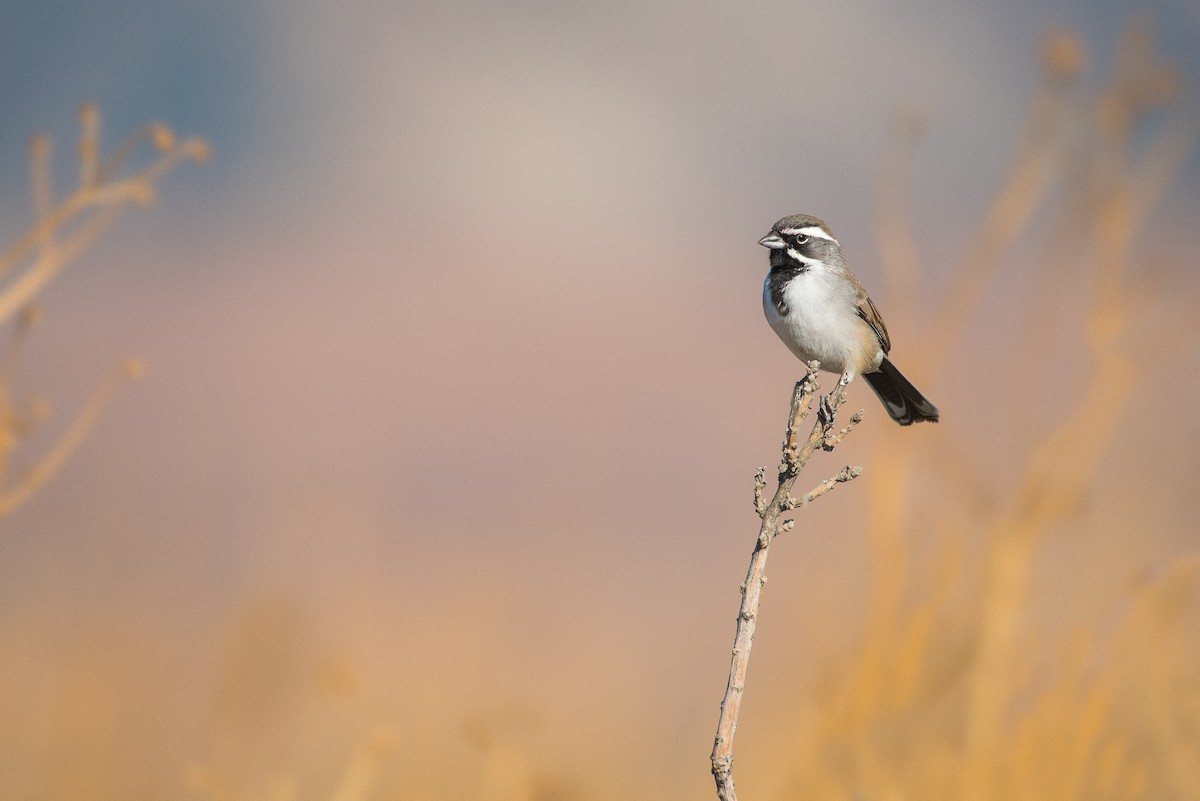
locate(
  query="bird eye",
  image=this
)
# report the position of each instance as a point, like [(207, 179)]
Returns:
[(801, 239)]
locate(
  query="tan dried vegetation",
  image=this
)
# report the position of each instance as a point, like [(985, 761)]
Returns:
[(951, 693), (62, 230)]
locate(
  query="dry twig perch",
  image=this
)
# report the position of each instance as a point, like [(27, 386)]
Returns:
[(826, 436)]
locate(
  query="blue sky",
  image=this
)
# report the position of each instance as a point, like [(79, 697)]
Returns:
[(274, 85)]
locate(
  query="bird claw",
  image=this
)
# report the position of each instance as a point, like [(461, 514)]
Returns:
[(826, 410)]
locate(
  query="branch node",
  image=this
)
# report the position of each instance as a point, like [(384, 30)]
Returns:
[(760, 484)]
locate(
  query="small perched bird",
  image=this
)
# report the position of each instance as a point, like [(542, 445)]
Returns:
[(821, 312)]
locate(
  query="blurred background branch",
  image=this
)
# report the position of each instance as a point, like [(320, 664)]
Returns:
[(62, 230)]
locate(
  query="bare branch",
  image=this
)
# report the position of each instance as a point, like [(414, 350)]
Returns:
[(61, 231), (845, 474), (97, 193), (795, 455), (89, 144), (834, 438), (898, 252), (1012, 207), (13, 497)]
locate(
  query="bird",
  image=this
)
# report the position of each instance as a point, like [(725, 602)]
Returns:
[(821, 312)]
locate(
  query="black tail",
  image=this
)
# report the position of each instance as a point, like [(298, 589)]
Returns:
[(903, 401)]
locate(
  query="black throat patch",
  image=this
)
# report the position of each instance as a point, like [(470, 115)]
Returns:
[(783, 270)]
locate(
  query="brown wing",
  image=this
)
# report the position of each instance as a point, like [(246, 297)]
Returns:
[(867, 311)]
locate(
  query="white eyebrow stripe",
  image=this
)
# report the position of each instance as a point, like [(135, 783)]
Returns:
[(811, 230)]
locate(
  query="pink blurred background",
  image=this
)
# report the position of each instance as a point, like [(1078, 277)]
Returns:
[(457, 378)]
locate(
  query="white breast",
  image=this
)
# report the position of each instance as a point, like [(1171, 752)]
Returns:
[(822, 322)]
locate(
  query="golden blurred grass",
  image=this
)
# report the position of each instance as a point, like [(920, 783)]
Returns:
[(952, 691)]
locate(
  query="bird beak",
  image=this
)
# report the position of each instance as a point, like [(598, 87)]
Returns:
[(772, 241)]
